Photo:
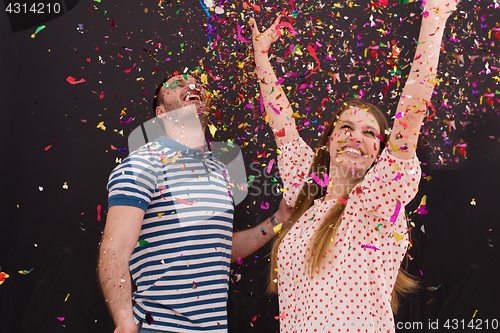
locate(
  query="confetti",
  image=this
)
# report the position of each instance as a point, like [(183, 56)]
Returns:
[(24, 272), (72, 80), (3, 276), (394, 216), (40, 28), (369, 247), (185, 202)]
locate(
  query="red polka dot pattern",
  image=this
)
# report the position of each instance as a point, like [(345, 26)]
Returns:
[(352, 292)]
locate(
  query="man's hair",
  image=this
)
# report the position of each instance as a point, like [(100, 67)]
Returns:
[(157, 99)]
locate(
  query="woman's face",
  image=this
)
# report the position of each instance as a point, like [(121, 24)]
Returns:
[(353, 143)]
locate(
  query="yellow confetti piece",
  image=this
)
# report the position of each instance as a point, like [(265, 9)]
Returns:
[(277, 229), (474, 314), (295, 115), (395, 166), (398, 236), (395, 148), (424, 200), (212, 129), (67, 296), (204, 78), (160, 215), (168, 160), (187, 263), (101, 126)]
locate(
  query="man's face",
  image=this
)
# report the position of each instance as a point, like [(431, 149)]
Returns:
[(180, 91)]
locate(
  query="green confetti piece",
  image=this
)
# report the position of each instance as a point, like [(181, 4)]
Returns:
[(230, 143), (433, 288), (143, 242), (24, 272), (274, 180), (40, 28)]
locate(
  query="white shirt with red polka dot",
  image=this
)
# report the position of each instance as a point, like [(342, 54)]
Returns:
[(352, 292)]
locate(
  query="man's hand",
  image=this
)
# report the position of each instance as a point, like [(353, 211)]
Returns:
[(284, 213), (126, 327), (121, 233)]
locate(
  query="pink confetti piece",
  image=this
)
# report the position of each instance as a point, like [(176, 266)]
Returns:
[(61, 318), (128, 121), (185, 202), (99, 213), (281, 316), (72, 80), (272, 107), (270, 166), (240, 38), (398, 177), (264, 205), (342, 201), (421, 210), (286, 25), (394, 216), (239, 261), (324, 182), (369, 247), (128, 70)]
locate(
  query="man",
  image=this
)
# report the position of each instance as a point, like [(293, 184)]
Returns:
[(170, 224)]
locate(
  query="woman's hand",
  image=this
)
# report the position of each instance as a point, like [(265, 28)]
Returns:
[(262, 41), (442, 8)]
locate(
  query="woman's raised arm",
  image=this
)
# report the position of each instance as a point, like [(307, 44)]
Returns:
[(277, 106), (418, 89)]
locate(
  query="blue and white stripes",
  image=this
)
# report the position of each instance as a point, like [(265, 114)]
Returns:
[(181, 261)]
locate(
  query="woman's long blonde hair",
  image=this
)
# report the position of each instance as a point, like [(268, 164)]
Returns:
[(322, 239)]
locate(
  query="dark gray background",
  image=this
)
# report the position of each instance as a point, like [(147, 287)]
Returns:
[(56, 233)]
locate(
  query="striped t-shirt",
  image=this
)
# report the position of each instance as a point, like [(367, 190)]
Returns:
[(180, 263)]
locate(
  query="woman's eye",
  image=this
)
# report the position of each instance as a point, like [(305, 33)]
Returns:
[(346, 127), (370, 133)]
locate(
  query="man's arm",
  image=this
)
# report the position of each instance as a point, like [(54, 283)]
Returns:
[(248, 241), (121, 233)]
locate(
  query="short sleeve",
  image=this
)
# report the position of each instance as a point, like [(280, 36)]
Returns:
[(294, 163), (389, 186), (133, 182)]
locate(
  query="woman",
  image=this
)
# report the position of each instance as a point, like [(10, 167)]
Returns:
[(336, 265)]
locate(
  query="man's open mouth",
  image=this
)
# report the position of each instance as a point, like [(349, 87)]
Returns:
[(192, 96)]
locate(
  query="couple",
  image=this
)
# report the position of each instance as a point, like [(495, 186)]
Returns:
[(335, 264)]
